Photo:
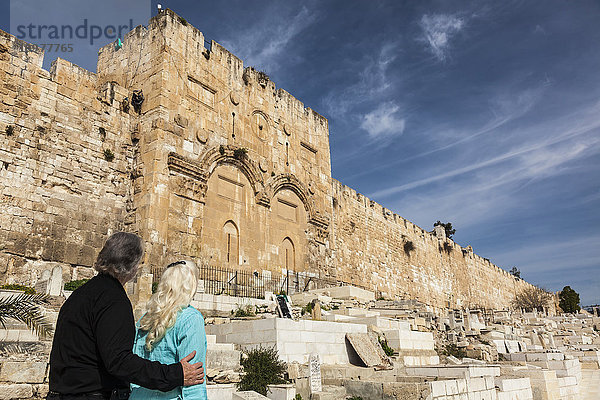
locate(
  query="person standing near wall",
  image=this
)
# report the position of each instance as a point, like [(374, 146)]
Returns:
[(91, 355), (170, 328)]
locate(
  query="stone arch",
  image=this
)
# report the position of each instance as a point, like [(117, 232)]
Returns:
[(288, 252), (232, 242), (290, 182), (221, 155)]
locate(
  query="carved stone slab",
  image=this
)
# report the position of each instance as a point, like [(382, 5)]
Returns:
[(367, 348), (314, 371)]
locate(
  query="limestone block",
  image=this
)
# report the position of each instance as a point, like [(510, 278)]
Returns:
[(15, 391), (220, 391), (476, 384), (438, 388), (451, 387), (223, 359), (507, 385), (248, 395), (542, 356), (281, 392), (40, 390), (23, 371)]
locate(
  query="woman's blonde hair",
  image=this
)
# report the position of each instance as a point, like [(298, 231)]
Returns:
[(175, 291)]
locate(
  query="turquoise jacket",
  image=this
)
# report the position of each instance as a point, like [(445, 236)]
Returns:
[(184, 337)]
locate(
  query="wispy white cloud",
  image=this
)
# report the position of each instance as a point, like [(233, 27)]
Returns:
[(264, 44), (534, 162), (372, 82), (505, 108), (472, 196), (438, 29), (384, 121)]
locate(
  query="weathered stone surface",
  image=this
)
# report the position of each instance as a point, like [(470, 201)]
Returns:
[(369, 351), (248, 395), (222, 166), (15, 391), (23, 372)]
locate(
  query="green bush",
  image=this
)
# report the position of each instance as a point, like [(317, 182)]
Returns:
[(72, 285), (354, 398), (408, 247), (262, 367), (298, 397), (569, 300), (244, 312), (154, 287), (22, 288), (109, 155), (307, 309), (240, 153), (386, 348)]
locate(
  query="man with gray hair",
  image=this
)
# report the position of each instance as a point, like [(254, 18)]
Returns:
[(91, 355)]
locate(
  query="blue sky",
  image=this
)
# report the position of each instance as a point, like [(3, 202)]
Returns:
[(485, 113)]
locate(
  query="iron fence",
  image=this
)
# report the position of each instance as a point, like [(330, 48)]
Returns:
[(244, 283)]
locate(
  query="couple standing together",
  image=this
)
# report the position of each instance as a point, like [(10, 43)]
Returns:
[(99, 353)]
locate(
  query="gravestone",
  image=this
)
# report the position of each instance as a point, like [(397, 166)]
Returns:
[(41, 286), (368, 349), (551, 340), (144, 286), (314, 370), (467, 320), (200, 287), (55, 283), (316, 310)]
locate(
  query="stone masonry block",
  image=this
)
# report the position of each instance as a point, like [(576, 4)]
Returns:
[(15, 391), (23, 372)]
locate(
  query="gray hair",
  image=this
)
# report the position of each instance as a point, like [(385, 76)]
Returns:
[(120, 256)]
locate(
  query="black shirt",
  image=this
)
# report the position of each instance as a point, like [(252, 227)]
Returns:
[(92, 348)]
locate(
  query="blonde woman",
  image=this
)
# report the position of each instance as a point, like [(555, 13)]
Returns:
[(172, 328)]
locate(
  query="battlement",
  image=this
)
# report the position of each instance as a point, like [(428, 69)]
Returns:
[(211, 158)]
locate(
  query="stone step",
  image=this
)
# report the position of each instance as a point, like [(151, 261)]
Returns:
[(211, 339), (220, 346)]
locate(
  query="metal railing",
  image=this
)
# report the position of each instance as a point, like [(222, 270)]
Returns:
[(244, 283)]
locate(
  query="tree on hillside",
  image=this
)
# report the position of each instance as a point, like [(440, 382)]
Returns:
[(447, 227), (569, 300), (515, 272), (533, 298)]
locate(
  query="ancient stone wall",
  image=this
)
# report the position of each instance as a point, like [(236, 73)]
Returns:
[(231, 168), (60, 193), (216, 163), (379, 249)]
